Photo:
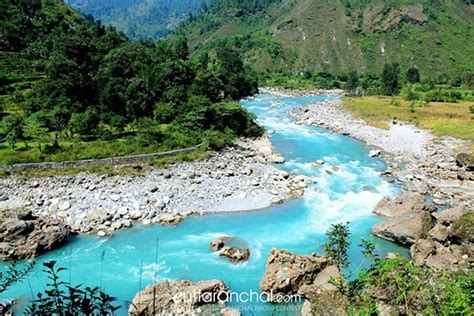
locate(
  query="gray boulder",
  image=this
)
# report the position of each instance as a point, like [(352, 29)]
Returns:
[(405, 229)]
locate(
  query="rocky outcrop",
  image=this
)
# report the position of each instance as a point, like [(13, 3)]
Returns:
[(231, 248), (405, 229), (449, 245), (182, 298), (406, 202), (24, 236), (287, 273)]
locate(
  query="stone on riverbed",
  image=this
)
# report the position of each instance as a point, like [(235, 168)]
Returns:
[(375, 153), (232, 248), (181, 298), (171, 219)]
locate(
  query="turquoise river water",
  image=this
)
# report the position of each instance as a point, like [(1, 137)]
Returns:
[(125, 262)]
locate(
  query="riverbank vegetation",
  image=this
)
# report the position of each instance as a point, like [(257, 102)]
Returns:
[(393, 284), (99, 95)]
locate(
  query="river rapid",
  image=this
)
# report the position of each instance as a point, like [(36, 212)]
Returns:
[(345, 189)]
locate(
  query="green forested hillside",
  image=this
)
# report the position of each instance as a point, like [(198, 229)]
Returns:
[(140, 19), (338, 36), (71, 88)]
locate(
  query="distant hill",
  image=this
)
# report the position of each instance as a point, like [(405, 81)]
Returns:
[(342, 35), (139, 19)]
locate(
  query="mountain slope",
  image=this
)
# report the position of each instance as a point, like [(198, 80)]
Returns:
[(139, 19), (338, 36)]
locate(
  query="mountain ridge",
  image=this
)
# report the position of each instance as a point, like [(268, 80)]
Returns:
[(139, 19), (435, 36)]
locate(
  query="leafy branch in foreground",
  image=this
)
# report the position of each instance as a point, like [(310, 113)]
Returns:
[(338, 244), (61, 298), (13, 275)]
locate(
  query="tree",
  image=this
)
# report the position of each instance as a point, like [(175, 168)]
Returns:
[(413, 75), (84, 123), (391, 78), (34, 130), (337, 245), (12, 128), (352, 80)]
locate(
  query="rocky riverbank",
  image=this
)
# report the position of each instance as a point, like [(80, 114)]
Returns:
[(420, 161), (239, 178), (296, 93)]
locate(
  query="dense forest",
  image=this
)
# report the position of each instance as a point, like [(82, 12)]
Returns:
[(93, 83)]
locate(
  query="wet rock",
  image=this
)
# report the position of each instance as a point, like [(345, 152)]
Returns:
[(405, 229), (24, 236), (219, 243), (235, 254), (286, 273), (231, 248), (170, 219), (181, 298)]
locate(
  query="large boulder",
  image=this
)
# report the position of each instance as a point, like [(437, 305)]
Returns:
[(405, 229), (181, 298), (406, 202), (24, 236), (232, 248), (286, 273)]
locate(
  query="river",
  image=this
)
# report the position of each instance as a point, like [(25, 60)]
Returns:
[(126, 263)]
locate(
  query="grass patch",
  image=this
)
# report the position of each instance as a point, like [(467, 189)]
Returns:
[(453, 119)]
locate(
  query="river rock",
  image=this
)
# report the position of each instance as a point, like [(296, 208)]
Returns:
[(405, 229), (219, 243), (98, 217), (24, 236), (286, 273), (170, 219), (375, 153), (235, 254), (406, 202), (181, 298), (231, 248)]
